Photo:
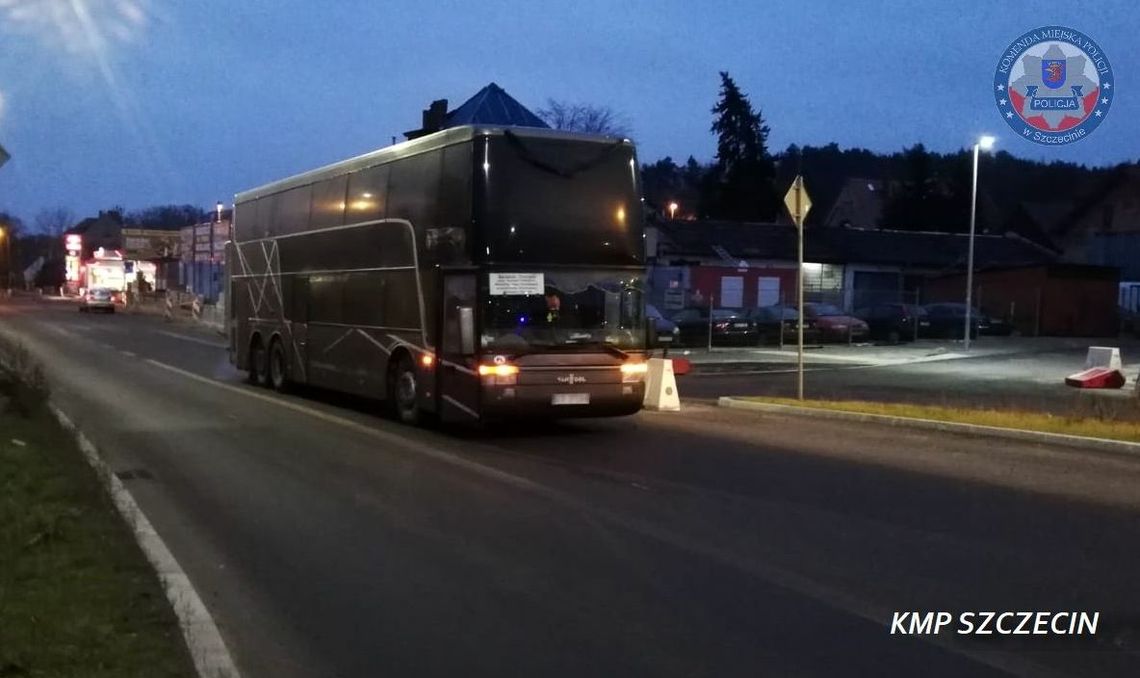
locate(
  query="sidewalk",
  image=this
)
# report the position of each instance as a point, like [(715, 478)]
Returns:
[(210, 318)]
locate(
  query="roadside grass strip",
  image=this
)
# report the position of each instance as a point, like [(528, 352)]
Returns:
[(77, 596), (1104, 427)]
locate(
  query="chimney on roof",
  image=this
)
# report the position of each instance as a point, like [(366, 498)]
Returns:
[(435, 116)]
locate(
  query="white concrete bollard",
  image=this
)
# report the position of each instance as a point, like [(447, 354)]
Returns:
[(661, 387), (1103, 356)]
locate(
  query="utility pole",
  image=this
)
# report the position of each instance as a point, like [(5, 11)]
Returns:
[(984, 144)]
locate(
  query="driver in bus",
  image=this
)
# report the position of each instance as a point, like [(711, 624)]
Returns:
[(553, 307)]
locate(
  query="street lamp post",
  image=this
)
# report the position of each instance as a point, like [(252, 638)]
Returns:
[(984, 143), (673, 210)]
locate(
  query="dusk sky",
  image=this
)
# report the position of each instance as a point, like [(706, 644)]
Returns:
[(143, 102)]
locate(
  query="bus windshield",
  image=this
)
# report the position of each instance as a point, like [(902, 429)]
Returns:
[(575, 310), (559, 201)]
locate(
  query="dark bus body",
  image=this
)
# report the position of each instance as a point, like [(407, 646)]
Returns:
[(473, 273)]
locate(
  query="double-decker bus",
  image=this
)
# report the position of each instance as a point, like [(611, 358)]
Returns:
[(474, 273)]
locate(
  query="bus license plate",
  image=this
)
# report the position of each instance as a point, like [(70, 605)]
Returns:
[(570, 399)]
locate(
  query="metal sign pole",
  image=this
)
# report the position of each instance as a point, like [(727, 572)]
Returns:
[(709, 347), (798, 203), (970, 255), (799, 219)]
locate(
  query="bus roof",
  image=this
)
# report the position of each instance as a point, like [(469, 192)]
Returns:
[(404, 149)]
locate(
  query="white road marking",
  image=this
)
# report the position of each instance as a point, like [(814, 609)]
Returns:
[(194, 340), (211, 657), (831, 596), (862, 360), (60, 330), (129, 354)]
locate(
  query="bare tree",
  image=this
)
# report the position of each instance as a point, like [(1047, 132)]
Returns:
[(54, 221), (166, 216), (11, 224), (586, 118)]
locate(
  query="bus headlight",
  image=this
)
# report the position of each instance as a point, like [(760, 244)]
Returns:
[(499, 375), (633, 371)]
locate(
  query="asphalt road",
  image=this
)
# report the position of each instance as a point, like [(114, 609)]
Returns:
[(328, 541)]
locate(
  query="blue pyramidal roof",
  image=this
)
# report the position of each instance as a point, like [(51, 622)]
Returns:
[(493, 106)]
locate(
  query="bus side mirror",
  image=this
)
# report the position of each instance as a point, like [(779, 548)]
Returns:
[(467, 330)]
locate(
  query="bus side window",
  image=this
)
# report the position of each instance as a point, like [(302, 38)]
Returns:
[(299, 310)]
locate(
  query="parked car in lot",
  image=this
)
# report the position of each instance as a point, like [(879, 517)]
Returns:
[(948, 320), (832, 324), (666, 329), (771, 320), (894, 322), (98, 299), (729, 326), (998, 327), (1129, 321)]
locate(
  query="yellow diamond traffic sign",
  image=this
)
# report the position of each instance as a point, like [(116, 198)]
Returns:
[(797, 201)]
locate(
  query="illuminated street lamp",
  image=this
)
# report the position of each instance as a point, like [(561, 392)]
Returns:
[(673, 209), (984, 143)]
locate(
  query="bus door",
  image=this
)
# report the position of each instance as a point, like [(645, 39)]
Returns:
[(457, 381)]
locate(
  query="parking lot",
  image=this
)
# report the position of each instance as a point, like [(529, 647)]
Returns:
[(1003, 372)]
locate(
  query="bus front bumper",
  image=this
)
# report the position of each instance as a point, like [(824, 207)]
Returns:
[(558, 401)]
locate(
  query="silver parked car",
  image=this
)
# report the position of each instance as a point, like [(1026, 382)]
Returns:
[(98, 299)]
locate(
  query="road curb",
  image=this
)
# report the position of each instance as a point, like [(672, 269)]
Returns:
[(1079, 442), (212, 659)]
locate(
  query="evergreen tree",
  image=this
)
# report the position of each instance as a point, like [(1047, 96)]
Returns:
[(913, 204), (665, 182), (740, 185), (693, 172)]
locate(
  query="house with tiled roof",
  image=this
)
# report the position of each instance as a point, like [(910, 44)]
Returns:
[(1104, 228)]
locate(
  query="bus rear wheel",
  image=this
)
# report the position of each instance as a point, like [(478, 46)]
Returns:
[(403, 391), (258, 363), (278, 367)]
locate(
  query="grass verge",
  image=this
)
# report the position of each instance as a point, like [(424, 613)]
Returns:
[(77, 596), (1090, 426)]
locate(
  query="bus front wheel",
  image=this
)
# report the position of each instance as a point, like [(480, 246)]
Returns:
[(403, 391)]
